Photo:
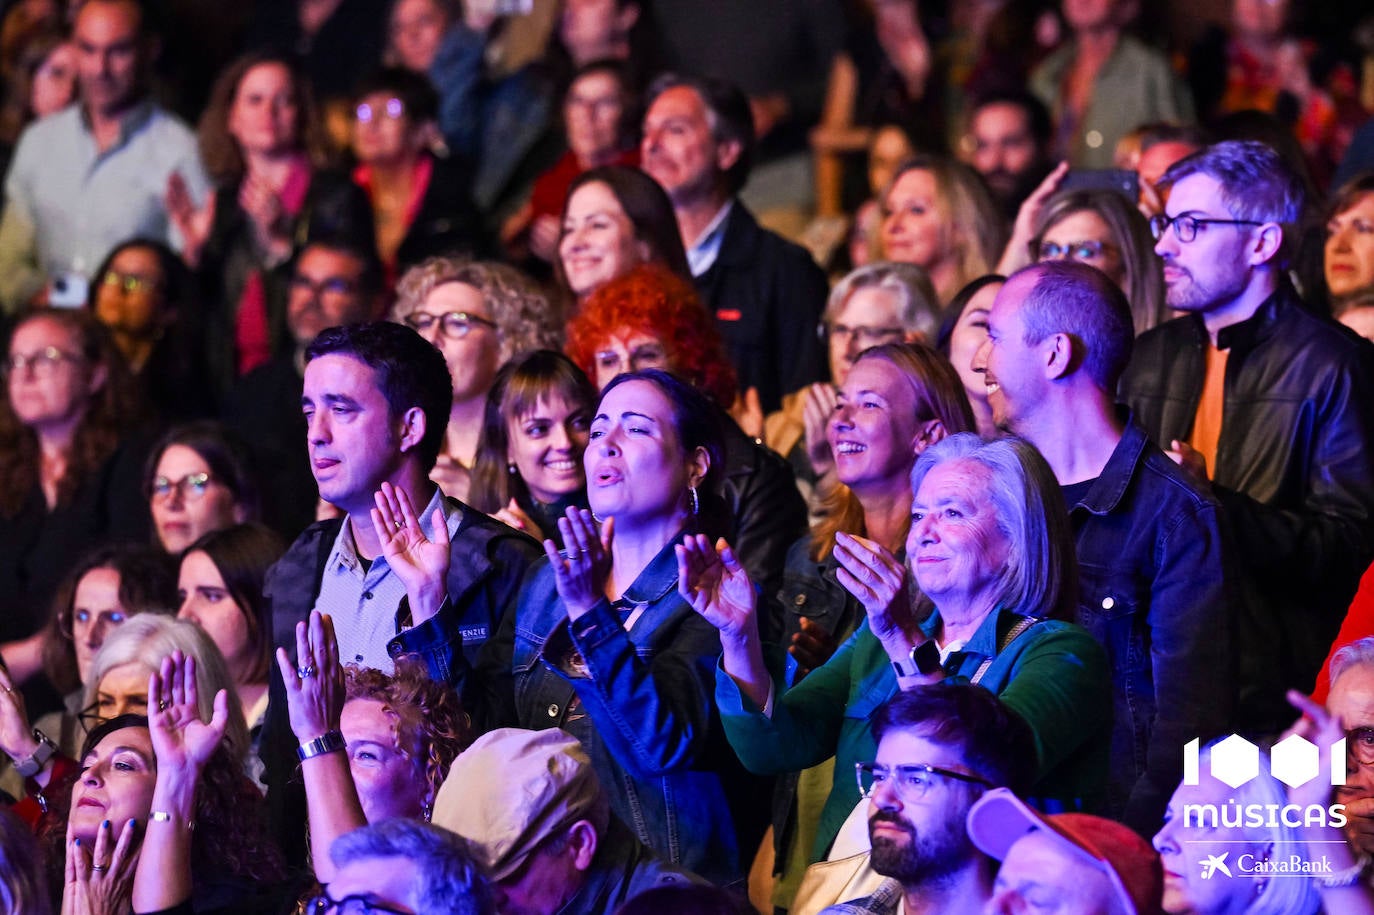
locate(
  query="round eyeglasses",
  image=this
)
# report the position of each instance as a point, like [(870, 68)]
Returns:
[(190, 487), (43, 362)]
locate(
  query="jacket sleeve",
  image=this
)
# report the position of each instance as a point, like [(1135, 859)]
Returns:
[(804, 728), (457, 73), (801, 291), (1061, 687), (653, 712), (1192, 631)]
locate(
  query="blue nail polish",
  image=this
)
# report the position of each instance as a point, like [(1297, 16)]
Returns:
[(105, 825), (134, 823), (78, 843)]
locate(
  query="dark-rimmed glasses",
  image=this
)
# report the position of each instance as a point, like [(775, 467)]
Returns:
[(865, 336), (1186, 225), (454, 324), (324, 904), (1359, 743), (911, 781)]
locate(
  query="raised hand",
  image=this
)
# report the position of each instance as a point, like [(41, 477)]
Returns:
[(100, 880), (419, 562), (581, 568), (816, 412), (181, 740), (1017, 253), (16, 737), (514, 516), (193, 224), (714, 583), (314, 687), (878, 581)]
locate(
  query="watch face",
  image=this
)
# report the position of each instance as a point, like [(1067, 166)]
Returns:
[(927, 657)]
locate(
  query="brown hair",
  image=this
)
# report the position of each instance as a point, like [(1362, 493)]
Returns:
[(939, 395), (431, 727), (112, 408), (218, 148)]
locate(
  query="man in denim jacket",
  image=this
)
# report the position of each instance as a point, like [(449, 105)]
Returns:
[(1153, 561)]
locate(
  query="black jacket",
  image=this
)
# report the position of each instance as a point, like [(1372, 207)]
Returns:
[(768, 296), (1294, 474)]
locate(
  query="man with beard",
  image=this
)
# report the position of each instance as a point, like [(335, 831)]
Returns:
[(1267, 403), (940, 747), (1008, 143)]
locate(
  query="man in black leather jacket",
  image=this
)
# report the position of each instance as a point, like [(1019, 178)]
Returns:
[(1267, 400)]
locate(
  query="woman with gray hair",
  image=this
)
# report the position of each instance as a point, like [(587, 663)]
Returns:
[(478, 314), (993, 560), (882, 302)]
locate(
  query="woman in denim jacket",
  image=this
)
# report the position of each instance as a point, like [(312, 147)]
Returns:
[(606, 649)]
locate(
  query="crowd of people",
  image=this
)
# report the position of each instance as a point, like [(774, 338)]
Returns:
[(571, 457)]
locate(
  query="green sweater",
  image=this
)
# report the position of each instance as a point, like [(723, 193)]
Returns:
[(1054, 675)]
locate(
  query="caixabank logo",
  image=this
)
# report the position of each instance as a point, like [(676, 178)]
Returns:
[(1247, 808)]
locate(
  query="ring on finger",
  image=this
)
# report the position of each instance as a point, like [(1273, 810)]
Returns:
[(100, 867), (306, 671), (162, 706)]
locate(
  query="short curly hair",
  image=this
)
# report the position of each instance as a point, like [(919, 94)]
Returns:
[(429, 722), (653, 300), (525, 319)]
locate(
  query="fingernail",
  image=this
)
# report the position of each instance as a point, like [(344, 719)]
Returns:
[(105, 825), (134, 823), (78, 842)]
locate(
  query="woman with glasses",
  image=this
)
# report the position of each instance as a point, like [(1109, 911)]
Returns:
[(104, 589), (199, 478), (146, 297), (479, 314), (70, 457), (993, 561), (420, 202), (262, 142)]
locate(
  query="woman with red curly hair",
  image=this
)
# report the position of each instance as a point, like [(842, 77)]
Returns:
[(650, 317)]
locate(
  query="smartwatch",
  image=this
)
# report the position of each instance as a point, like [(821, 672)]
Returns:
[(924, 661), (31, 765)]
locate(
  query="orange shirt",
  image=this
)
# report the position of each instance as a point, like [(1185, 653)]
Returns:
[(1207, 423)]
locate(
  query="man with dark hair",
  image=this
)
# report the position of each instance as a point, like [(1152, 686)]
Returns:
[(1154, 577), (767, 294), (1008, 143), (94, 174), (407, 866), (376, 401), (1270, 402), (332, 282), (939, 748)]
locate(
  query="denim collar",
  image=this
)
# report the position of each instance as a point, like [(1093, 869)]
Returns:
[(982, 643), (659, 576), (1111, 484)]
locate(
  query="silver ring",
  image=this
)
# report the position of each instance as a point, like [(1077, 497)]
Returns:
[(570, 555), (100, 867), (400, 524), (306, 671), (162, 706)]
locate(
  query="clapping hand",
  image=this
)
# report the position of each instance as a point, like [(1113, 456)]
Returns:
[(16, 737), (419, 562), (817, 409), (92, 888), (714, 583), (581, 568), (182, 741), (314, 687), (878, 581)]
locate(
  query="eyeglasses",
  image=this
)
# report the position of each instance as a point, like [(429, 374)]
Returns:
[(130, 282), (44, 362), (1074, 250), (1186, 226), (864, 336), (912, 781), (393, 110), (331, 287), (1359, 743), (455, 324), (190, 487), (324, 904)]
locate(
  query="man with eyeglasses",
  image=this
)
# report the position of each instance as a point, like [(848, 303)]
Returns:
[(332, 282), (940, 748), (1267, 403), (1351, 699), (1155, 571)]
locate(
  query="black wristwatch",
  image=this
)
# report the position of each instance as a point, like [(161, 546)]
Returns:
[(31, 765), (925, 660)]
